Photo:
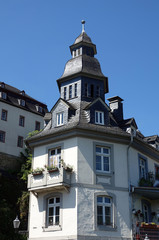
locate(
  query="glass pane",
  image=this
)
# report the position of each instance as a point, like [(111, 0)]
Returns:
[(98, 163), (57, 211), (98, 149), (51, 200), (101, 114), (107, 210), (96, 117), (99, 199), (107, 200), (57, 200), (99, 210), (50, 221), (51, 211), (106, 160), (106, 150), (57, 220), (107, 220), (53, 152), (99, 220), (58, 150)]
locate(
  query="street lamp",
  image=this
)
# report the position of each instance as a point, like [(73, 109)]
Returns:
[(16, 223)]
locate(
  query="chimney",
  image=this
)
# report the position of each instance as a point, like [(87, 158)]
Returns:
[(116, 107)]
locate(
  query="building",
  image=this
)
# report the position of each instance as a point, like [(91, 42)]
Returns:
[(19, 115), (95, 175)]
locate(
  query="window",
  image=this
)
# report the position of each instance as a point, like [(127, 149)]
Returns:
[(75, 89), (22, 102), (70, 91), (103, 159), (53, 213), (2, 136), (97, 91), (86, 90), (54, 157), (21, 121), (92, 90), (156, 172), (37, 126), (65, 93), (99, 117), (20, 142), (142, 167), (4, 115), (104, 211), (3, 95), (60, 119), (39, 109)]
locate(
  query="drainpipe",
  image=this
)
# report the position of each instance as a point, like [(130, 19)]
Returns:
[(129, 185)]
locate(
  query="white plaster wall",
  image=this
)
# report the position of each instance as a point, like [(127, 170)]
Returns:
[(68, 213), (86, 213), (13, 130)]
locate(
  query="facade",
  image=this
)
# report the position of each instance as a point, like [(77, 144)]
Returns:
[(95, 175), (19, 115)]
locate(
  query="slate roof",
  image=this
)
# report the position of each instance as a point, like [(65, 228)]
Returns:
[(14, 95)]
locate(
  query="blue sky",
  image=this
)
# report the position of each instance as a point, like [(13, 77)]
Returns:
[(35, 36)]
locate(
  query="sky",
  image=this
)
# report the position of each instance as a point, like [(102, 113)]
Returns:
[(35, 36)]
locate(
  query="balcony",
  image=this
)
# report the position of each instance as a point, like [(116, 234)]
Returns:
[(53, 180), (152, 231)]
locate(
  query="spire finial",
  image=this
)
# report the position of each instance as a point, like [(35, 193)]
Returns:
[(83, 25)]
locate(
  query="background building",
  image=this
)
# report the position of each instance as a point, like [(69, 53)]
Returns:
[(19, 115), (102, 197)]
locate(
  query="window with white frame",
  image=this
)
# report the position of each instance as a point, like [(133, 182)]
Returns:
[(102, 159), (54, 157), (53, 211), (142, 167), (60, 120), (104, 211), (99, 117)]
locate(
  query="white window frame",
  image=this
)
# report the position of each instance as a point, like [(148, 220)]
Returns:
[(142, 167), (99, 117), (103, 205), (52, 217), (101, 157), (60, 118), (55, 157), (65, 93)]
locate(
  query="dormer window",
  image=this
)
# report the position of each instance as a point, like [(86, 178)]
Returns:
[(22, 93), (86, 90), (4, 95), (39, 109), (99, 117), (2, 85), (60, 118), (22, 102)]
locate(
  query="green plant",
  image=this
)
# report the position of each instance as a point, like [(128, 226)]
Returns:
[(148, 181), (37, 171), (51, 168)]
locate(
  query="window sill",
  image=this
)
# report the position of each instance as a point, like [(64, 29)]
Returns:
[(52, 228), (106, 228)]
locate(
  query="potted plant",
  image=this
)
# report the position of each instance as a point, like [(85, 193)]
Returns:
[(52, 169), (37, 171), (68, 168)]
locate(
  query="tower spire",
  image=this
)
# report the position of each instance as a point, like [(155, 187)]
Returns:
[(83, 26)]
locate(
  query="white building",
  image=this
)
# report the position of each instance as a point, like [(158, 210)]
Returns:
[(19, 115), (100, 199)]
